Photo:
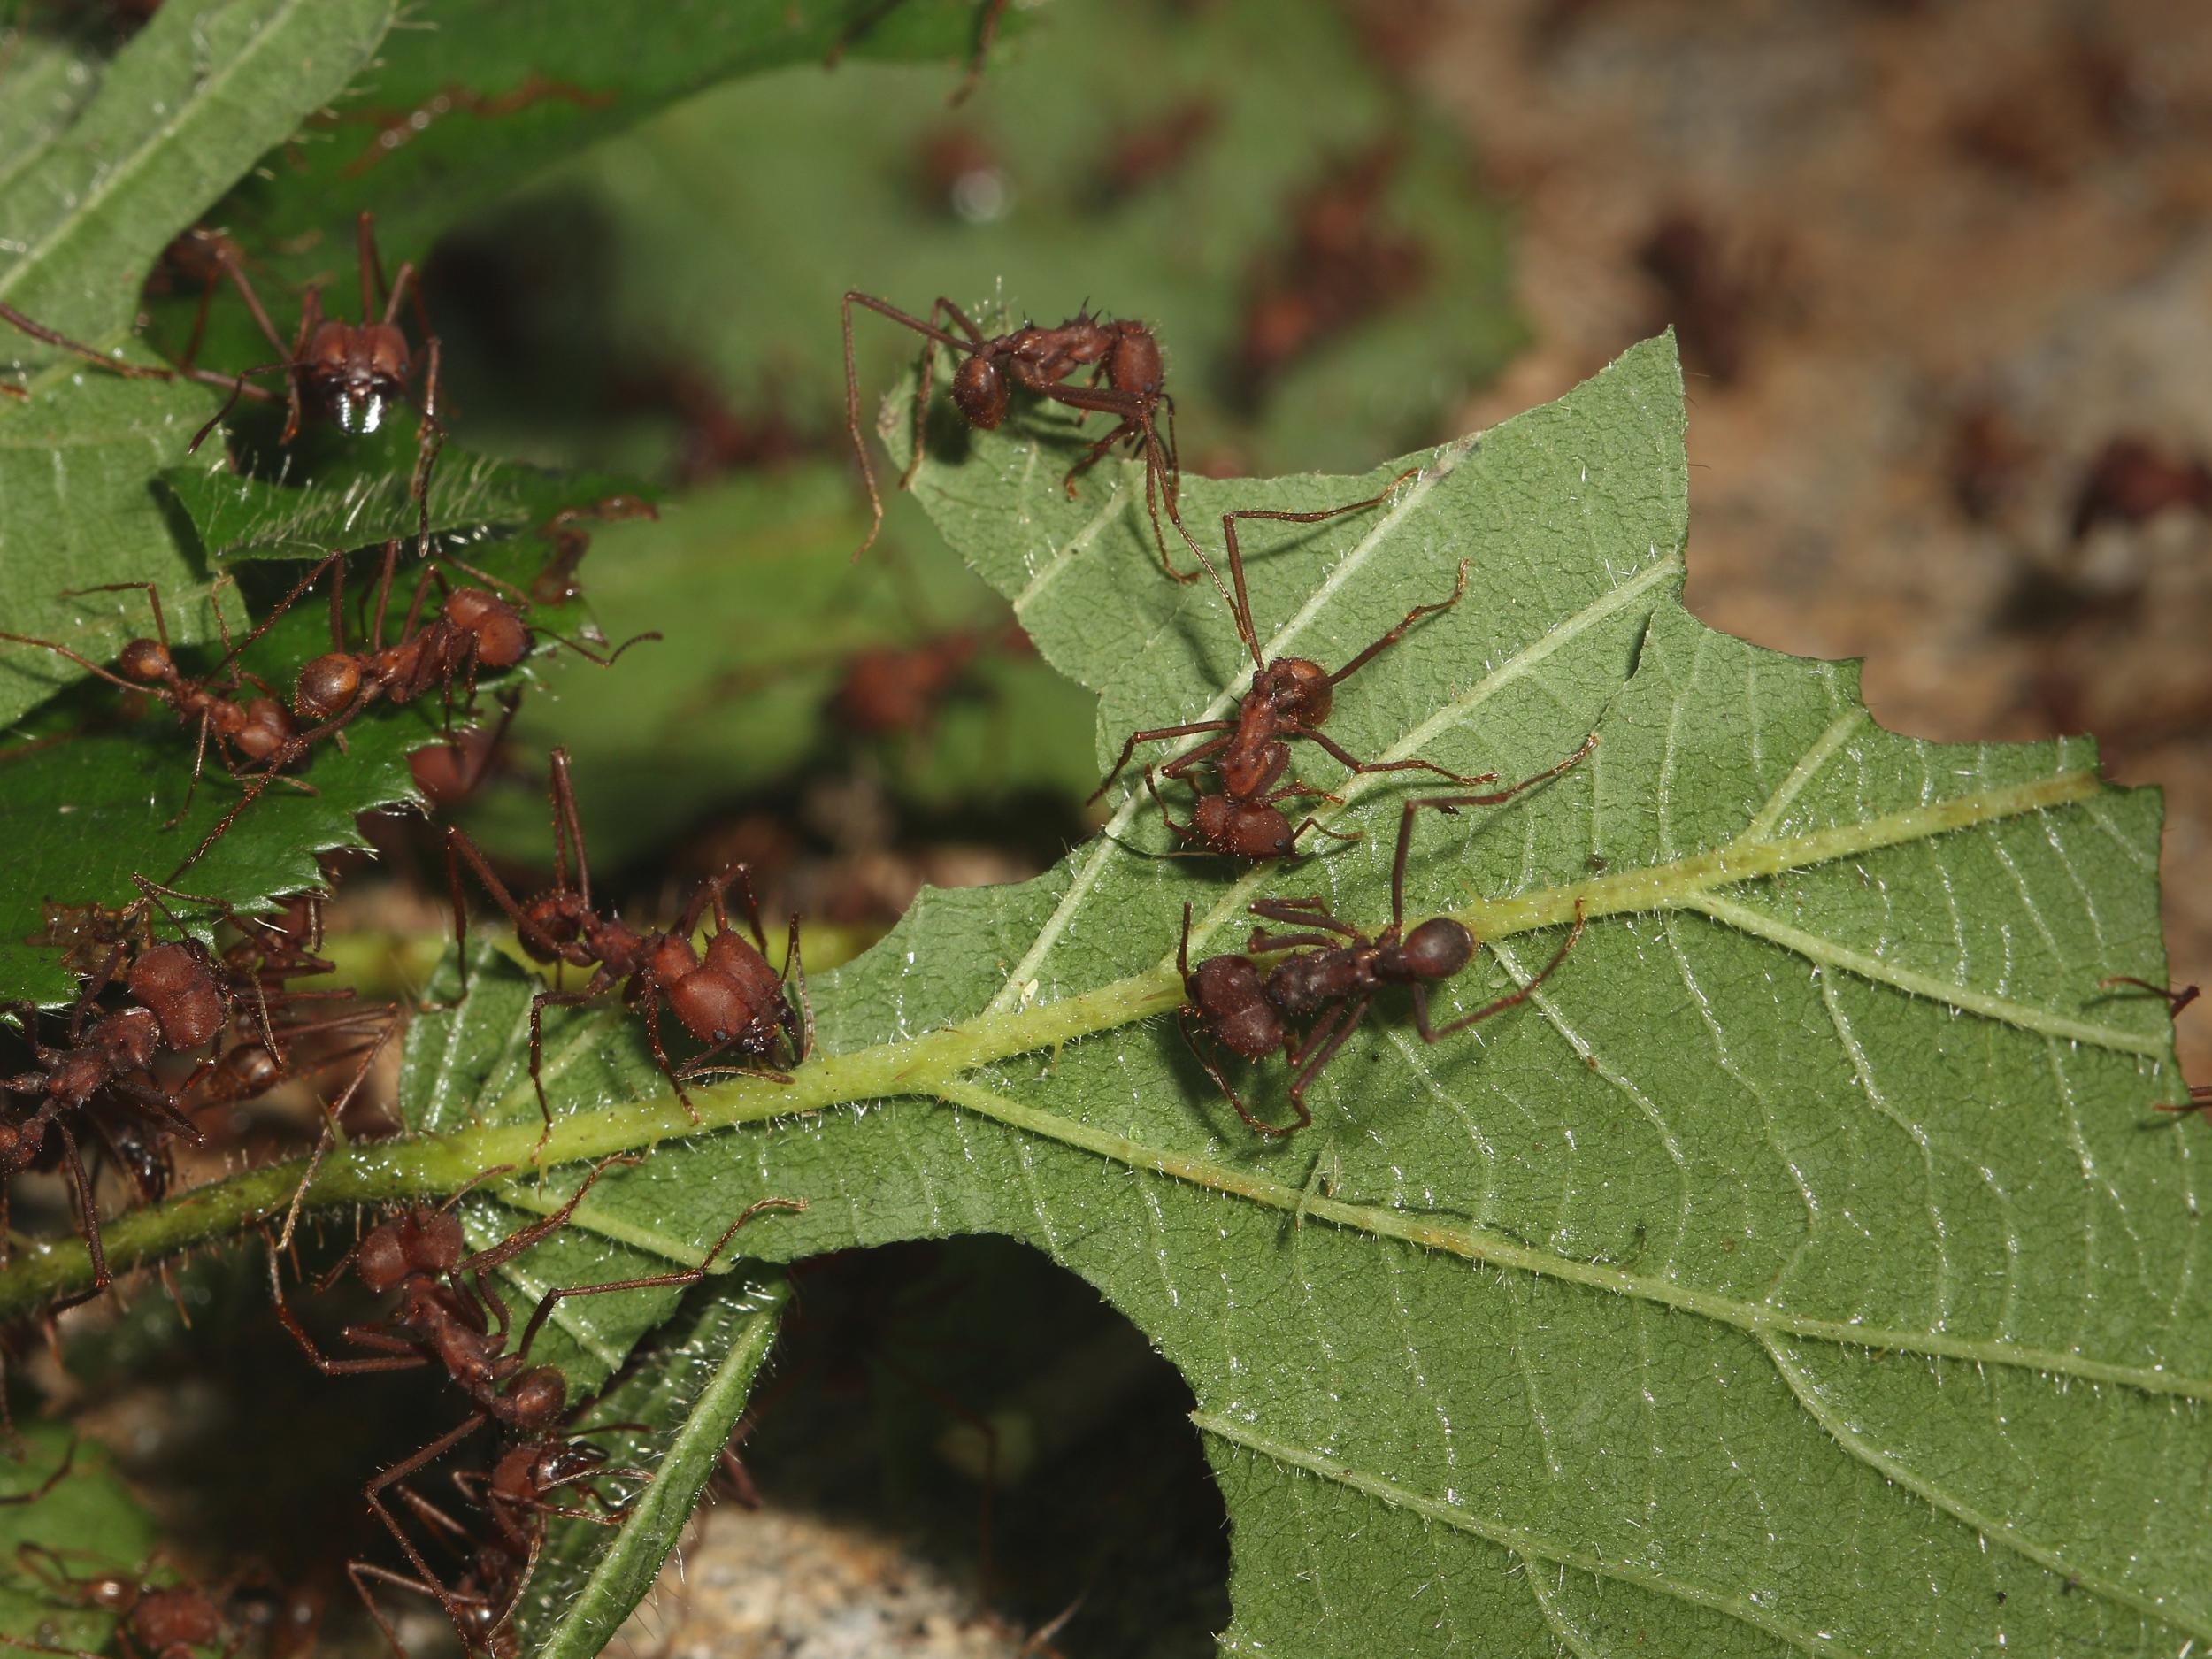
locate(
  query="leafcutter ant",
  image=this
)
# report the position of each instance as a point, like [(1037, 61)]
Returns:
[(1333, 972), (1127, 382), (731, 1000), (1289, 698), (449, 1314)]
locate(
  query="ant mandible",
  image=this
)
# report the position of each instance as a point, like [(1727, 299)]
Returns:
[(1289, 697), (733, 1000), (1125, 356), (1334, 973)]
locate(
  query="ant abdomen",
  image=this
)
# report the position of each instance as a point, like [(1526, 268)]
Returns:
[(178, 986), (327, 685), (146, 660)]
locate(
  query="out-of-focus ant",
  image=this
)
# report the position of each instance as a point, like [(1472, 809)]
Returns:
[(2133, 480), (396, 129), (1333, 972), (174, 1621), (1154, 151), (1127, 381), (1339, 268), (555, 584), (731, 1000), (1289, 698)]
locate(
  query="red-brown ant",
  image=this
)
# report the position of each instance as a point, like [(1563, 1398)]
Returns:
[(732, 1000), (348, 374), (173, 1622), (243, 728), (1125, 356), (450, 1314), (555, 584), (1155, 151), (2200, 1096), (1334, 972), (985, 32), (177, 1003), (1290, 697)]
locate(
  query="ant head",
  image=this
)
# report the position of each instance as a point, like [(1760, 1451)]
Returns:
[(501, 639), (979, 389), (1135, 364), (537, 1398), (552, 921), (180, 1618), (1231, 996), (1301, 689), (713, 1006), (1241, 829), (175, 981), (1437, 949), (355, 370), (327, 685), (131, 1037), (265, 729), (146, 660)]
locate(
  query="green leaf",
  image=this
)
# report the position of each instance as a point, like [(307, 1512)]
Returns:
[(769, 609), (85, 810), (499, 103), (101, 164), (1801, 1265), (679, 231), (689, 1391), (361, 498), (87, 1519)]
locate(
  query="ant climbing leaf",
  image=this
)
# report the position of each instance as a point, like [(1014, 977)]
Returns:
[(93, 185), (84, 804), (1804, 1265)]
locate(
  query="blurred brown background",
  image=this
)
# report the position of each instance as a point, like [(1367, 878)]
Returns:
[(1943, 275)]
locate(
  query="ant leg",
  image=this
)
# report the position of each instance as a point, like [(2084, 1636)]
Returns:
[(458, 841), (539, 1004), (89, 1220), (39, 330), (1309, 1069), (925, 383), (660, 1054), (1261, 942), (1167, 818), (358, 1571), (199, 761), (1420, 997), (655, 1282), (929, 331), (332, 1111), (1240, 607), (227, 258), (1351, 763), (238, 389), (429, 438), (2176, 1000), (373, 1492), (413, 1360), (515, 1243), (1161, 734), (612, 657), (568, 826), (985, 33), (61, 1472), (1451, 803), (1391, 638), (794, 968), (1183, 1016)]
